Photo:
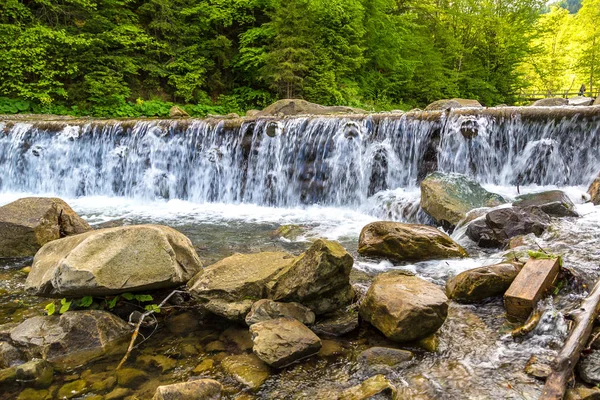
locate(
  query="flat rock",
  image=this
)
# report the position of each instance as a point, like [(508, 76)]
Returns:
[(555, 203), (449, 197), (480, 283), (283, 341), (29, 223), (452, 103), (114, 260), (581, 101), (287, 107), (72, 339), (230, 286), (267, 309), (407, 242), (404, 307), (247, 369), (384, 356), (551, 102), (205, 389)]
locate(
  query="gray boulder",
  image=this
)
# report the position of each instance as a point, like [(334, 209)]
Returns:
[(581, 101), (114, 260), (404, 307), (555, 203), (287, 107), (551, 102), (283, 341), (452, 103), (266, 309), (72, 339), (29, 223), (205, 389)]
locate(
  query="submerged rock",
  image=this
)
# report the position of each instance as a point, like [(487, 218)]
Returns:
[(499, 226), (483, 282), (319, 278), (72, 339), (247, 369), (374, 385), (114, 260), (594, 190), (552, 202), (384, 356), (407, 242), (29, 223), (232, 285), (551, 102), (283, 341), (265, 309), (404, 307), (205, 389), (38, 373), (449, 197)]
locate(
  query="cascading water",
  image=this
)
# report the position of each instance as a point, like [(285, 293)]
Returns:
[(333, 161)]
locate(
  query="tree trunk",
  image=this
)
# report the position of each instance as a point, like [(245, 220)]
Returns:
[(566, 360)]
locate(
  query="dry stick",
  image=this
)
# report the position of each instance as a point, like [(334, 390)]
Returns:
[(139, 324), (566, 360)]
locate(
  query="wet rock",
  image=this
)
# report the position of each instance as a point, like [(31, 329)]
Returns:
[(336, 324), (384, 356), (319, 278), (117, 394), (404, 307), (290, 232), (238, 336), (74, 338), (29, 223), (247, 369), (283, 341), (583, 393), (181, 324), (580, 101), (215, 346), (375, 385), (131, 377), (10, 355), (589, 368), (266, 309), (8, 375), (449, 197), (406, 242), (594, 190), (551, 102), (33, 394), (205, 389), (499, 226), (159, 361), (301, 107), (430, 343), (552, 202), (114, 260), (232, 285), (537, 368), (178, 112), (480, 283), (73, 389), (330, 348), (38, 373), (206, 365)]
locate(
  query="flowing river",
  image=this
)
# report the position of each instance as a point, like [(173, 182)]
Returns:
[(228, 185)]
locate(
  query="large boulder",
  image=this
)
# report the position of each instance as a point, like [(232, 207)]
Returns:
[(29, 223), (449, 197), (581, 101), (319, 278), (551, 102), (266, 309), (404, 307), (480, 283), (499, 226), (553, 202), (406, 242), (283, 341), (205, 389), (452, 103), (72, 339), (287, 107), (114, 260), (232, 285), (594, 189)]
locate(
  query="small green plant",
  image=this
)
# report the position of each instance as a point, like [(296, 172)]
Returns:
[(542, 255), (104, 303)]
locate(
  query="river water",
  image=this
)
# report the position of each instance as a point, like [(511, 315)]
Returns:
[(228, 187)]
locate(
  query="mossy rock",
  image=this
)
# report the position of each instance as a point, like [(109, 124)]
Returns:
[(73, 389)]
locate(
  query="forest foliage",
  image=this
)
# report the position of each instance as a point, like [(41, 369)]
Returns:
[(138, 57)]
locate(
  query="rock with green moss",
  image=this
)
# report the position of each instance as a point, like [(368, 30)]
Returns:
[(290, 232), (117, 394), (319, 278), (373, 386), (38, 373), (72, 339), (29, 223), (247, 369), (205, 389), (481, 283), (114, 260), (159, 361), (33, 394), (448, 197), (73, 389), (404, 307), (406, 242), (131, 377), (283, 341), (8, 375), (229, 287)]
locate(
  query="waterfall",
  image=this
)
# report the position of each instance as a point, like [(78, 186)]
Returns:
[(334, 161)]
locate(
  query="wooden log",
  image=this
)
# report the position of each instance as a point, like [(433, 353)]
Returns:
[(566, 360), (536, 277)]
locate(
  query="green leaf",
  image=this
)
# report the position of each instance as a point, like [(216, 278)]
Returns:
[(128, 296), (113, 302), (50, 308), (143, 297), (85, 301), (65, 305), (153, 307)]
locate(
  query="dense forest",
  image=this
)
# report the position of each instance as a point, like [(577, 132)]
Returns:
[(138, 57)]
